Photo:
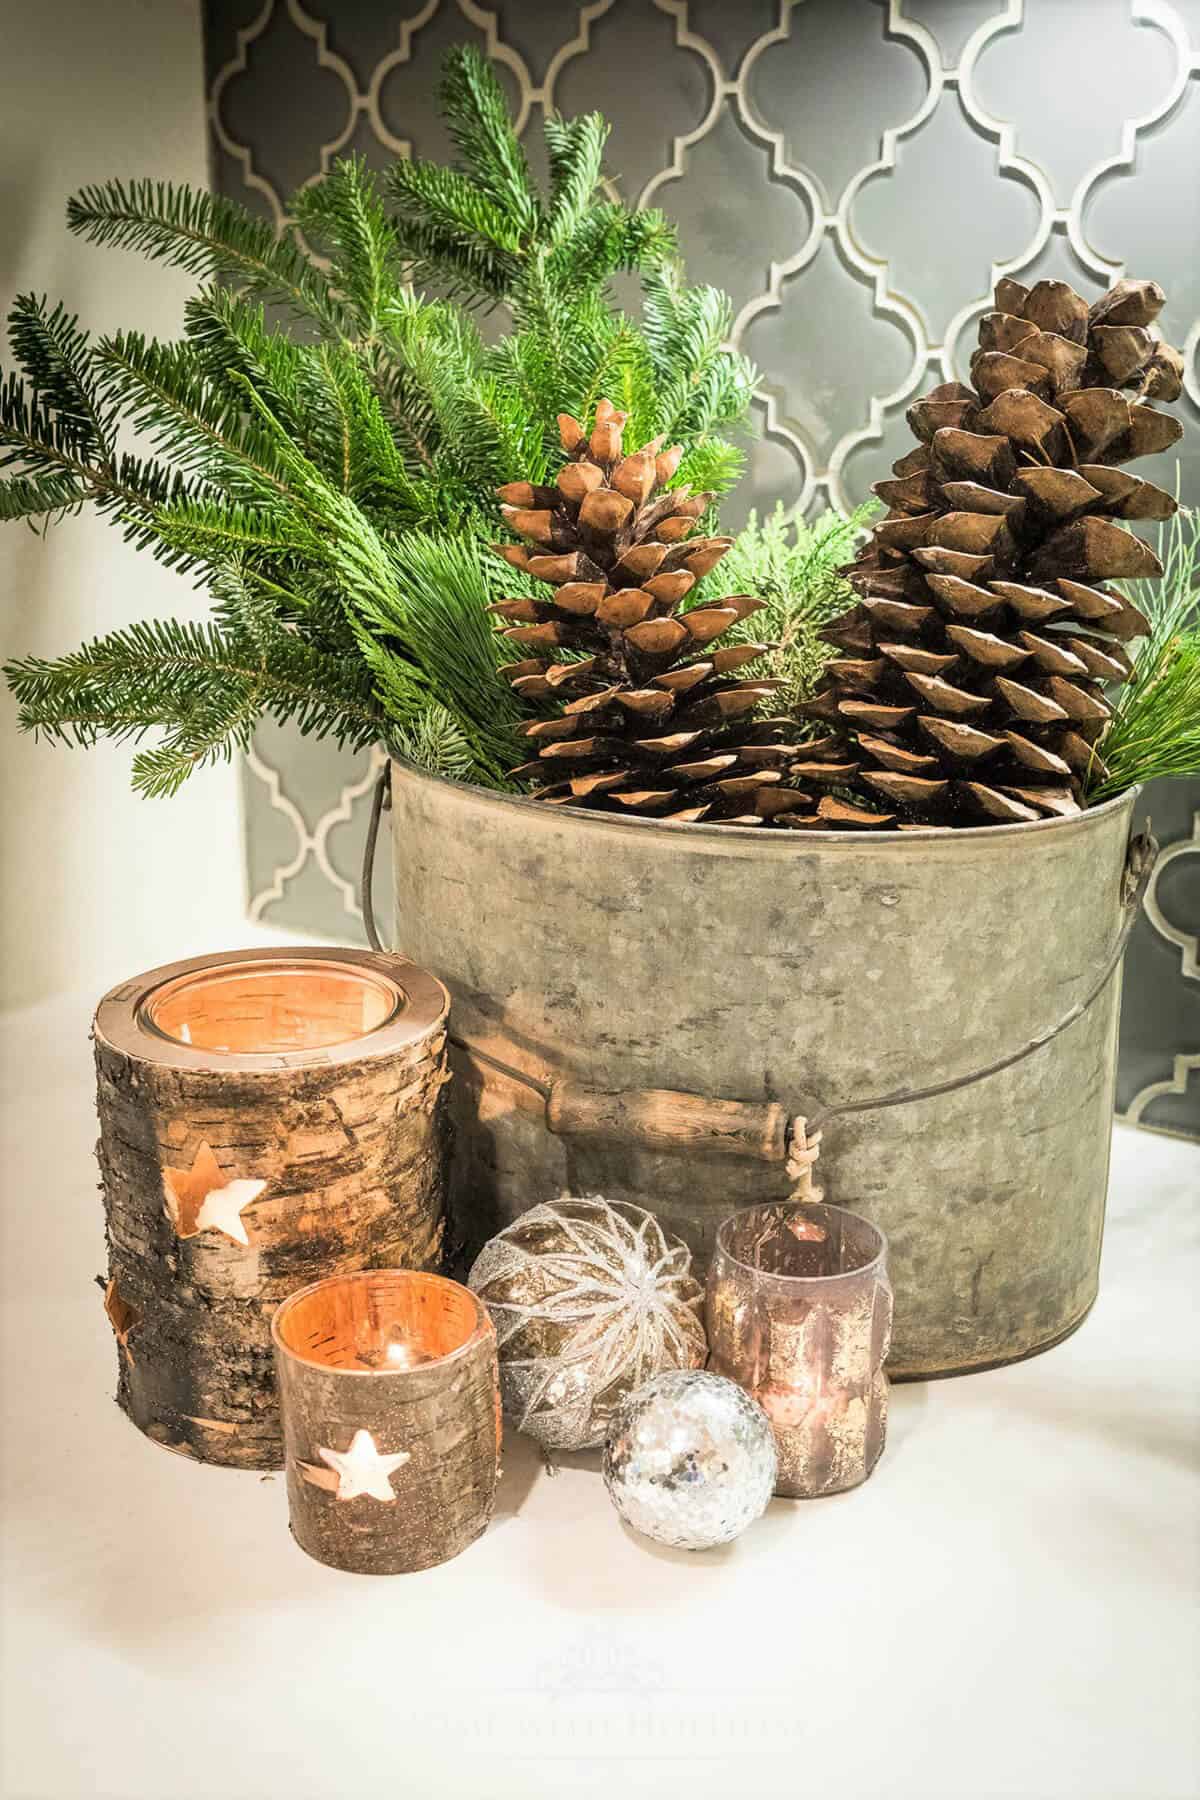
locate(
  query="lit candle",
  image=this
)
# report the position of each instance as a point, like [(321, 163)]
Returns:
[(389, 1393), (799, 1313), (265, 1116)]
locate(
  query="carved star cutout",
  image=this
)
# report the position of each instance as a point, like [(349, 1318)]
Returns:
[(362, 1470), (202, 1198), (123, 1317)]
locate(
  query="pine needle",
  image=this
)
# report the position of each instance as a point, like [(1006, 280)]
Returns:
[(793, 566), (334, 485), (1155, 729)]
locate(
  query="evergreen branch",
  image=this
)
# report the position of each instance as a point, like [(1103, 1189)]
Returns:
[(437, 743), (343, 217), (54, 354), (323, 396), (448, 202), (337, 493), (164, 392), (429, 640), (228, 334), (36, 440), (795, 567), (205, 683), (607, 239), (211, 533), (1156, 733), (469, 272), (34, 496), (575, 149), (256, 606), (476, 115), (710, 465), (703, 384), (160, 772), (437, 362), (1155, 727), (207, 235)]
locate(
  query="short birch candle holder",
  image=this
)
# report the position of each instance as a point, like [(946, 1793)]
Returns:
[(799, 1312), (390, 1393), (263, 1117)]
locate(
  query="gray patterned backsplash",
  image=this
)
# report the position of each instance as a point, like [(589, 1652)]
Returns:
[(856, 175)]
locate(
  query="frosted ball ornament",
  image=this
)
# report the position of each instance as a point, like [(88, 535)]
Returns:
[(589, 1300), (690, 1460)]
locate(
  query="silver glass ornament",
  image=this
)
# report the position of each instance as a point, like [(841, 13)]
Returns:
[(588, 1300), (690, 1460)]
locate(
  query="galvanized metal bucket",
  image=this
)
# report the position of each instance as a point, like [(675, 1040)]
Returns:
[(767, 974)]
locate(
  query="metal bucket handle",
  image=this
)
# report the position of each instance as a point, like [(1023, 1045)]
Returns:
[(662, 1119)]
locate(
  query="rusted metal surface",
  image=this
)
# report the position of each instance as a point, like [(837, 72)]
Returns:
[(625, 954)]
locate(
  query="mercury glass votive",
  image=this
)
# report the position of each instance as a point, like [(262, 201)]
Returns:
[(799, 1312)]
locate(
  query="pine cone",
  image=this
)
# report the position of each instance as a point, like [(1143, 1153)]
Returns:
[(656, 720), (970, 680)]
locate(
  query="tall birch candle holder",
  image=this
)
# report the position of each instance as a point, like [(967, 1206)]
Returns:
[(390, 1393), (264, 1116), (799, 1312)]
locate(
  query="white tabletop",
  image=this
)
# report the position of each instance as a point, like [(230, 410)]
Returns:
[(1008, 1608)]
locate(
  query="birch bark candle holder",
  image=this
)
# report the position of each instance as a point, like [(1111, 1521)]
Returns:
[(799, 1312), (263, 1117), (390, 1393)]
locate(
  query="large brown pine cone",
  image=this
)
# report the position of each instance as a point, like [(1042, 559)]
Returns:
[(970, 684), (656, 718)]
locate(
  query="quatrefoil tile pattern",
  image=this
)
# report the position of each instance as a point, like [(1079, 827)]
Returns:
[(855, 172)]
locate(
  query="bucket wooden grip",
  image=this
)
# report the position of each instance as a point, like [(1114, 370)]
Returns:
[(657, 1119)]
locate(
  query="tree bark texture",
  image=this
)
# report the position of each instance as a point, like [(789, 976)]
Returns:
[(331, 1160), (390, 1394)]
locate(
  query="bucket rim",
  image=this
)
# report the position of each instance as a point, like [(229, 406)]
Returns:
[(787, 842)]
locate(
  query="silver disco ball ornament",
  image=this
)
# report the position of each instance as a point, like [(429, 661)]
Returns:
[(690, 1460)]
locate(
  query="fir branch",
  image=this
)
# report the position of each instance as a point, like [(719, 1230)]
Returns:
[(703, 384), (207, 235), (36, 496), (575, 151), (710, 465), (794, 566), (607, 239), (438, 381), (41, 445), (1155, 727), (337, 493), (476, 115), (210, 533), (430, 640), (451, 204), (437, 743), (205, 683), (228, 336), (462, 269), (199, 423), (344, 218), (54, 354)]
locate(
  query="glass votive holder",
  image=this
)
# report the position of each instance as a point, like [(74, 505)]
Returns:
[(799, 1312), (389, 1394)]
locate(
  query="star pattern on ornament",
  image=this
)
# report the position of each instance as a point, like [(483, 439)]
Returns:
[(203, 1198), (362, 1469)]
